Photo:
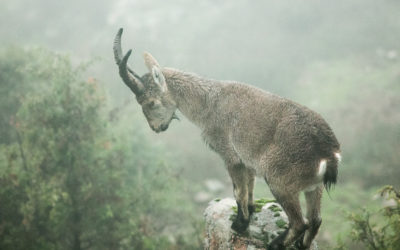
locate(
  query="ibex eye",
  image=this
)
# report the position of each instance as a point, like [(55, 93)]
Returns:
[(151, 104)]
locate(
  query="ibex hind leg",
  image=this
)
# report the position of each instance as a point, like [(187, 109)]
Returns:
[(313, 200), (283, 180), (291, 205), (287, 196), (240, 182)]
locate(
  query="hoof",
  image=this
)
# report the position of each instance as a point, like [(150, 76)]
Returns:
[(277, 243), (240, 226), (299, 243)]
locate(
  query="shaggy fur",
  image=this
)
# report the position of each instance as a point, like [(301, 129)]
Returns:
[(255, 132)]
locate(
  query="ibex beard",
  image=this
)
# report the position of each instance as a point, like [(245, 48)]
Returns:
[(255, 132)]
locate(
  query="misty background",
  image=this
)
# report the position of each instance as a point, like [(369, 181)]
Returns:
[(339, 58)]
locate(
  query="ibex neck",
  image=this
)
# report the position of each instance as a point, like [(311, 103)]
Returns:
[(194, 95)]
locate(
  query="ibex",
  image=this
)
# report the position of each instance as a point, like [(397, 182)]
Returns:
[(255, 132)]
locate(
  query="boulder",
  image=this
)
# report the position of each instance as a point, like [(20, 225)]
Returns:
[(266, 223)]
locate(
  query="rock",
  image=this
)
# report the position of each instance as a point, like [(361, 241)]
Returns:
[(266, 223)]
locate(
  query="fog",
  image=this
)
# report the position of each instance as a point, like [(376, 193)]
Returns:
[(339, 58)]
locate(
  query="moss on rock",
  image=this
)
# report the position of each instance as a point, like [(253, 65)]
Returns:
[(281, 223), (275, 208)]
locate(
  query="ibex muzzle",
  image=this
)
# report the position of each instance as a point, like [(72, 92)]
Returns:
[(255, 132)]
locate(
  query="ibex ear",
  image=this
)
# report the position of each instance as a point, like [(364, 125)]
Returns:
[(150, 61), (155, 70)]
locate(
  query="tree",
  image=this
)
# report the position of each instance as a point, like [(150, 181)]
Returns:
[(72, 179)]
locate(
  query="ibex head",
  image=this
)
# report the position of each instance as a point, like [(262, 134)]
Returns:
[(151, 89)]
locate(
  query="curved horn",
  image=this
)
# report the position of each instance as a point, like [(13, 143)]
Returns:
[(131, 81), (130, 78)]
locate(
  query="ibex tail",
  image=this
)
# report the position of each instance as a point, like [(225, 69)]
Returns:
[(331, 166)]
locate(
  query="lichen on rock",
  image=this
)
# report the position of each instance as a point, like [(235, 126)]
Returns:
[(266, 223)]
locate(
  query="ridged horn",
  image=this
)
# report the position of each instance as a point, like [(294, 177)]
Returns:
[(130, 78)]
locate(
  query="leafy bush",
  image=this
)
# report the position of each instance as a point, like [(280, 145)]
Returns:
[(70, 178), (377, 230)]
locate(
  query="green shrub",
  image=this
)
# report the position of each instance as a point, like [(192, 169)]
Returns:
[(377, 230), (70, 178)]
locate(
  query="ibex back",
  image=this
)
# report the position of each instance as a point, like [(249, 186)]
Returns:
[(255, 133)]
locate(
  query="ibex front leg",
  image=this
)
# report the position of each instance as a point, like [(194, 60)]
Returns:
[(240, 181), (251, 176), (242, 178)]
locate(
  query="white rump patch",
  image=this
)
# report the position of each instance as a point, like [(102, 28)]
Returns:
[(321, 168), (338, 157)]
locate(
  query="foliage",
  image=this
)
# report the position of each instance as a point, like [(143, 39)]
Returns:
[(68, 180), (23, 73), (341, 64), (377, 230)]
